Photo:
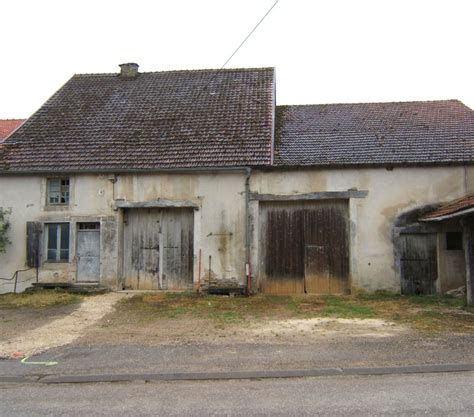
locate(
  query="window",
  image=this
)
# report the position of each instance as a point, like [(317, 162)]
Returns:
[(58, 191), (89, 226), (57, 235), (453, 240)]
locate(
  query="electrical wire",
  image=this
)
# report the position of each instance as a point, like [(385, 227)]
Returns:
[(238, 48)]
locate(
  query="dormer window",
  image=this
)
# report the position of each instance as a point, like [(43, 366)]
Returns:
[(58, 191)]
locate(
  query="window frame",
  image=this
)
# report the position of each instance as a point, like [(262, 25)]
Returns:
[(62, 191), (63, 227)]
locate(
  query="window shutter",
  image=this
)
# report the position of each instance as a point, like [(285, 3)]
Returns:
[(33, 244)]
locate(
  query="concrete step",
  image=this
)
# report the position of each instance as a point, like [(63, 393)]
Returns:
[(77, 288)]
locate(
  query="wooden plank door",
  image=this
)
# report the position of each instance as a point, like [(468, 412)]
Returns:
[(326, 236), (141, 262), (177, 249), (418, 263), (282, 248), (304, 247)]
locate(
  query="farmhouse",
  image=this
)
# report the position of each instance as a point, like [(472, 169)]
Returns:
[(197, 180)]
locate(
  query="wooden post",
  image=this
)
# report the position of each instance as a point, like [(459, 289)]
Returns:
[(468, 243)]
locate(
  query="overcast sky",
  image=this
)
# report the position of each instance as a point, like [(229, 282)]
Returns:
[(329, 51)]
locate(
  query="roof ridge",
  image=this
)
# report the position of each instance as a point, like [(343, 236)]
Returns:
[(251, 69), (375, 102)]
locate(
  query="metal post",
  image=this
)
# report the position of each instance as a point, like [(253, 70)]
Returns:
[(16, 279)]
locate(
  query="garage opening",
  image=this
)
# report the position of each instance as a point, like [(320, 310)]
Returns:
[(304, 247)]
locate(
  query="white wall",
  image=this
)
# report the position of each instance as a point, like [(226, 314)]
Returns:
[(390, 192), (220, 219)]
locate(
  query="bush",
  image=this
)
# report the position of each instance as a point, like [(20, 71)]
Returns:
[(4, 226)]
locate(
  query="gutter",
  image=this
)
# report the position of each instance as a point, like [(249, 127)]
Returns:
[(248, 273), (449, 216), (124, 171)]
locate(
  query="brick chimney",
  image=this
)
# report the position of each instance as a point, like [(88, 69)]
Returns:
[(129, 70)]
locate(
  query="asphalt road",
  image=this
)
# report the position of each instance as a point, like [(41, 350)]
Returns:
[(222, 357), (394, 395)]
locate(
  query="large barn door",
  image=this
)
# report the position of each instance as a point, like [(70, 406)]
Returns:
[(158, 249), (304, 247), (418, 263)]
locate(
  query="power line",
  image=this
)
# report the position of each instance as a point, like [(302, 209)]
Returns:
[(237, 49), (250, 34)]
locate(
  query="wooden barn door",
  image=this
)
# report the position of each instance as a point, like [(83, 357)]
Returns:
[(158, 248), (418, 263), (177, 249), (141, 253), (304, 247)]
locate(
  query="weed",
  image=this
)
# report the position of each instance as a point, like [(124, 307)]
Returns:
[(347, 311), (39, 299)]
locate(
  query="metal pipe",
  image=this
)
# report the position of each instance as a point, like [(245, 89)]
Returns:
[(210, 259), (247, 230), (16, 280), (199, 272)]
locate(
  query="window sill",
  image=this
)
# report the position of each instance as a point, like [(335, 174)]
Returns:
[(56, 207), (56, 262)]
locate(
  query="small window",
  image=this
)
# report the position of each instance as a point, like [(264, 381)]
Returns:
[(58, 191), (89, 226), (454, 241), (57, 235)]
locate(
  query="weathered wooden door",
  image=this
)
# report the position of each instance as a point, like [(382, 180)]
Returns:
[(88, 254), (177, 252), (304, 247), (418, 263), (158, 249)]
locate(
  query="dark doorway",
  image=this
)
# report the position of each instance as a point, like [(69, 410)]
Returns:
[(418, 263)]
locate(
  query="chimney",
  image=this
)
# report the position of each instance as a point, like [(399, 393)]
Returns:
[(129, 70)]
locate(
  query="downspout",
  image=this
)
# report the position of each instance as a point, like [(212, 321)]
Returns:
[(248, 270)]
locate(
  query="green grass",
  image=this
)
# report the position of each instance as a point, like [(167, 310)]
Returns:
[(428, 313), (436, 300), (38, 300), (346, 308)]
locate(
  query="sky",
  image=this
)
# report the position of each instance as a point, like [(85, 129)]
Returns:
[(324, 51)]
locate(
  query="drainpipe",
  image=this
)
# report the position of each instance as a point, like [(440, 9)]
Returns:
[(247, 230)]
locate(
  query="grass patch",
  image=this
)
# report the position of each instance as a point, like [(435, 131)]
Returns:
[(345, 307), (437, 300), (422, 313), (348, 311), (38, 300)]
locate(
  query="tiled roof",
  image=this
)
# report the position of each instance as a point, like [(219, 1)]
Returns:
[(7, 126), (431, 132), (172, 119), (451, 208)]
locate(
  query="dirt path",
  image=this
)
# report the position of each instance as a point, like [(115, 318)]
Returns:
[(61, 331)]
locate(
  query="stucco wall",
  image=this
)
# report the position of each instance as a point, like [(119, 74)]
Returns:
[(219, 221), (390, 192), (219, 229)]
